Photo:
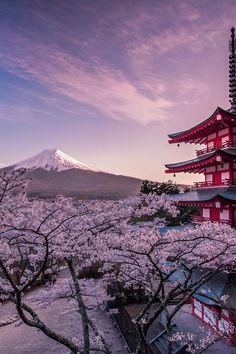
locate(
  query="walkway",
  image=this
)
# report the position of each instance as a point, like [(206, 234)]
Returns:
[(27, 340)]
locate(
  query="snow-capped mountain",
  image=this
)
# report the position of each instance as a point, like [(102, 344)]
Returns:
[(53, 159), (52, 173)]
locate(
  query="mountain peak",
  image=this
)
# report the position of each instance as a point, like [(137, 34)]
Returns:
[(52, 159)]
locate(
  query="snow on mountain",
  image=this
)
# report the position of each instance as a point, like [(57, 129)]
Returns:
[(52, 160), (52, 173)]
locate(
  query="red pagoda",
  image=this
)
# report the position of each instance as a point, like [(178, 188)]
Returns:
[(216, 196)]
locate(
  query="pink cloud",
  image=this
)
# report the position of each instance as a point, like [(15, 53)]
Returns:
[(104, 89), (144, 98), (142, 52), (192, 91), (18, 113)]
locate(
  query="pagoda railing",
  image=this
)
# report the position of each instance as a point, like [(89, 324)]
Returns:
[(198, 219), (207, 184), (226, 144)]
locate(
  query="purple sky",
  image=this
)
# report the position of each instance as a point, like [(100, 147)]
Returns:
[(105, 81)]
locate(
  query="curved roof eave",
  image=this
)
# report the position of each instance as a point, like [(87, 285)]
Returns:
[(199, 159), (206, 195), (218, 109), (202, 158)]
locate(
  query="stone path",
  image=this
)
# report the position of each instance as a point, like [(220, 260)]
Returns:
[(27, 340)]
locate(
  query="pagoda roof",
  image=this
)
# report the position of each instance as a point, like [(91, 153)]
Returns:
[(220, 284), (198, 134), (206, 195), (197, 164)]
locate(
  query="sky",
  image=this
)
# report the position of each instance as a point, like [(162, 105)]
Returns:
[(106, 81)]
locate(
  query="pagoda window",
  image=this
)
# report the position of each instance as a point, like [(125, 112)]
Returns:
[(224, 214), (223, 326), (234, 174), (225, 139), (211, 169), (234, 137), (211, 136), (209, 178), (206, 213), (223, 132), (225, 176), (234, 129), (197, 308), (209, 316), (210, 144)]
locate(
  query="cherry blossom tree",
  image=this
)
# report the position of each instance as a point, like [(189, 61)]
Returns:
[(38, 236), (165, 265)]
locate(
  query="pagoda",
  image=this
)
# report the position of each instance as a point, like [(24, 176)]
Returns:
[(216, 196)]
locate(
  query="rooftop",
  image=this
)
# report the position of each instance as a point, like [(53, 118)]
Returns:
[(200, 160), (206, 195), (219, 119)]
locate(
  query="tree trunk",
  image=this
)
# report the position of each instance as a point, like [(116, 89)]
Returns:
[(94, 328), (82, 308), (37, 323), (169, 333)]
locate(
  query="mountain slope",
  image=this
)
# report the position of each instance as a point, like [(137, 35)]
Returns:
[(53, 159), (53, 173)]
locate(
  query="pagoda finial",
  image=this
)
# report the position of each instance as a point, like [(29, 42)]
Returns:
[(232, 42), (232, 72)]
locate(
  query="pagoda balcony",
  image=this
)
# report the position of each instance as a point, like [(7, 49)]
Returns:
[(226, 144), (197, 219), (208, 184)]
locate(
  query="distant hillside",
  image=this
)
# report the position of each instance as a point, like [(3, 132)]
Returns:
[(82, 184), (53, 173)]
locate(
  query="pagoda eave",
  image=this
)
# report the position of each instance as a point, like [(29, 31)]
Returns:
[(206, 196), (208, 203), (202, 204), (200, 163), (193, 168), (198, 134)]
